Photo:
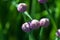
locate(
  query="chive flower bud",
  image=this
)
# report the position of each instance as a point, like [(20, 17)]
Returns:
[(34, 24), (26, 27), (44, 22), (22, 7)]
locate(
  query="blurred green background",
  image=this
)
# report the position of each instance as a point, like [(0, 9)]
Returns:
[(11, 20)]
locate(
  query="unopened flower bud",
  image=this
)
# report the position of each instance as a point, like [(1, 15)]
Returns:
[(22, 7), (44, 22), (58, 33), (34, 24), (26, 27), (42, 1)]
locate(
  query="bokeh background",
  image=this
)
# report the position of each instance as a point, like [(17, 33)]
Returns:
[(11, 20)]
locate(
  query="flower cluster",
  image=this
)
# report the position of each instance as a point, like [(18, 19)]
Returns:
[(35, 24)]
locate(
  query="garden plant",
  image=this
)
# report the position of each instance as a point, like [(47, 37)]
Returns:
[(29, 19)]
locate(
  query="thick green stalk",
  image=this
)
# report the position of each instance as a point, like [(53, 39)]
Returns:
[(33, 8)]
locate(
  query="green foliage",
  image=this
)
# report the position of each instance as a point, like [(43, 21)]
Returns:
[(11, 20)]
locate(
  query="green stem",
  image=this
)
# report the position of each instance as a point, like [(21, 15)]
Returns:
[(26, 13), (33, 8), (41, 30), (57, 38), (45, 5), (31, 36), (49, 13)]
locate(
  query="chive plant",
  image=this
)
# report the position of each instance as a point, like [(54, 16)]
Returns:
[(34, 23)]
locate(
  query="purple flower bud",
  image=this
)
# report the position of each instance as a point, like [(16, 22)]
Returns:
[(44, 22), (34, 24), (26, 27), (42, 1), (22, 7), (58, 33)]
